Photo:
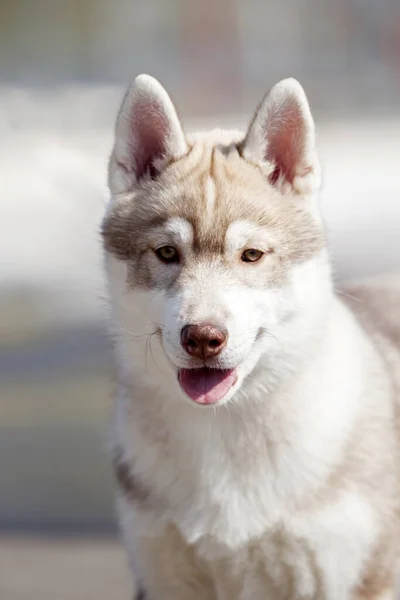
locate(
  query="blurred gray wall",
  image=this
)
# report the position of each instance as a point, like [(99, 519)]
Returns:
[(214, 54)]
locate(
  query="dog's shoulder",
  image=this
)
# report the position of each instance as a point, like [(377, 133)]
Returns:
[(376, 304)]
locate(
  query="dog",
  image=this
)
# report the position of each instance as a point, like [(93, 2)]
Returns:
[(256, 438)]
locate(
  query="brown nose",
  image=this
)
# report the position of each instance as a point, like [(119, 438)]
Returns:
[(203, 340)]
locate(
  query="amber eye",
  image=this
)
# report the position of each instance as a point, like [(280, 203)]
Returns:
[(168, 254), (251, 255)]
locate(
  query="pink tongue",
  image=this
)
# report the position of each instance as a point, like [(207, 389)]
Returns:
[(207, 386)]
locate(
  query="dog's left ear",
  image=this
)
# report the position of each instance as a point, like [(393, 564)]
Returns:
[(148, 134), (282, 137)]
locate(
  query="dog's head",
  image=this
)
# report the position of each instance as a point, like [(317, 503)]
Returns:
[(215, 243)]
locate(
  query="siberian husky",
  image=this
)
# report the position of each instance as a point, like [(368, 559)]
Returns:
[(256, 443)]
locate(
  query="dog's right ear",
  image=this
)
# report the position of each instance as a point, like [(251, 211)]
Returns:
[(148, 135), (281, 136)]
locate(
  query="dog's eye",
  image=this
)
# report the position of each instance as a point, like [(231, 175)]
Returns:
[(251, 255), (168, 254)]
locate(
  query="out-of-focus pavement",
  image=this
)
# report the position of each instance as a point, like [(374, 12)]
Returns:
[(63, 570)]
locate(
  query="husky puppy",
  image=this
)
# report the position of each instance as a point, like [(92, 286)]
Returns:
[(256, 439)]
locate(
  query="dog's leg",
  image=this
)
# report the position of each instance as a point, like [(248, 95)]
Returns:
[(382, 595), (164, 566), (171, 571)]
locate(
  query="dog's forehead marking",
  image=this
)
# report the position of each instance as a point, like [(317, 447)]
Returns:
[(214, 193), (241, 232), (181, 228)]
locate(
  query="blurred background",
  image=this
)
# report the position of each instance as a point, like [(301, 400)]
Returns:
[(64, 65)]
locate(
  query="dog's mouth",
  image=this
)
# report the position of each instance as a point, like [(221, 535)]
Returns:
[(206, 385)]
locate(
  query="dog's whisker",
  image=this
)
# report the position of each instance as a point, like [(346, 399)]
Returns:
[(151, 352), (347, 295), (139, 335)]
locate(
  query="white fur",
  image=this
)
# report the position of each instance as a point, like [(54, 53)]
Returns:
[(244, 234), (181, 229)]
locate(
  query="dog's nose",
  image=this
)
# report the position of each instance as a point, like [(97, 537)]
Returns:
[(204, 340)]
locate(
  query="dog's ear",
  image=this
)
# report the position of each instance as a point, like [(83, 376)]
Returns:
[(148, 134), (282, 137)]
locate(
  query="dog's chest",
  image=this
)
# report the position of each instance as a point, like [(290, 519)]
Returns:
[(233, 502), (277, 566), (286, 564), (205, 482), (311, 555)]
